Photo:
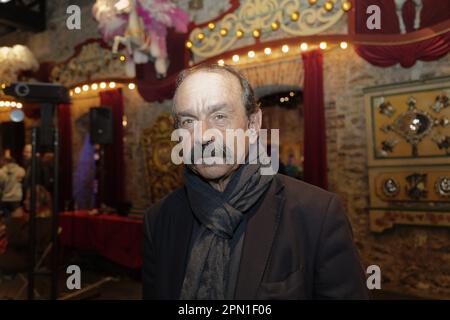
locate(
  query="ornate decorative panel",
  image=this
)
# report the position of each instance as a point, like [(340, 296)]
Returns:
[(408, 139), (162, 175)]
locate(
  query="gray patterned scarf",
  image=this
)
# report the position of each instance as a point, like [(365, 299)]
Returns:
[(219, 214)]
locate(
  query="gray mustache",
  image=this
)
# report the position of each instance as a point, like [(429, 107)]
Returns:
[(222, 152)]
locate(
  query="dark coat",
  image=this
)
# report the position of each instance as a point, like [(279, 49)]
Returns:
[(298, 245)]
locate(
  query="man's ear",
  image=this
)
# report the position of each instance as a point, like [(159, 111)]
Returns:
[(255, 121)]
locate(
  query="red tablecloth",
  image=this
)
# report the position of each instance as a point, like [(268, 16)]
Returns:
[(117, 238)]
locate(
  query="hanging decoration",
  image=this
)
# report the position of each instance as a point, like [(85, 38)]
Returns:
[(141, 26)]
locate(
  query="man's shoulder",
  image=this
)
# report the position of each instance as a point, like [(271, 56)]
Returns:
[(171, 203), (304, 198)]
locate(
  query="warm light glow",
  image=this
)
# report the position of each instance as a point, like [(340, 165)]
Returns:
[(19, 105), (304, 46), (131, 86), (7, 104), (77, 90), (328, 5), (102, 85), (211, 26), (286, 99), (291, 93), (3, 85), (343, 45), (122, 58), (112, 85), (188, 44), (285, 48), (221, 62), (13, 104), (312, 2), (223, 32), (94, 86), (71, 92), (2, 104), (323, 45), (295, 15), (251, 54), (281, 100), (201, 36), (347, 5), (267, 51), (85, 87), (256, 33), (275, 25), (239, 33), (235, 58)]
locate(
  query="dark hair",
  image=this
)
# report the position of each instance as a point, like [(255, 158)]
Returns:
[(248, 96)]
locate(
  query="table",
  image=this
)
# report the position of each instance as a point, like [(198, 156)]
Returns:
[(117, 238)]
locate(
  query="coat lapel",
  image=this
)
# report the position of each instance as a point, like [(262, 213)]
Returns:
[(179, 247), (259, 235)]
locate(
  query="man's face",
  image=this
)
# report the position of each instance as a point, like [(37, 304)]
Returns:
[(212, 100)]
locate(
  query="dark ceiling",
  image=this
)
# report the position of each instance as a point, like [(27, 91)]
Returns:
[(22, 15)]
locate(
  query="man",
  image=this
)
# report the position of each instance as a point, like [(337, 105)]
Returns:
[(233, 233)]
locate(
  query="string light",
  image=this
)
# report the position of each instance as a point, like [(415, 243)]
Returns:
[(211, 26), (329, 5), (291, 93), (221, 62), (267, 51), (323, 45), (188, 44), (112, 85), (223, 32), (123, 58), (235, 58), (201, 36), (2, 104), (102, 85), (295, 15), (239, 33), (71, 92), (131, 86), (304, 46), (285, 48), (251, 54), (13, 104), (77, 90), (94, 86), (256, 33), (85, 87), (19, 105), (275, 25), (7, 104), (346, 6), (343, 45)]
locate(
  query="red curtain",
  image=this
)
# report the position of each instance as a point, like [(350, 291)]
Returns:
[(315, 150), (65, 156), (408, 54), (114, 189)]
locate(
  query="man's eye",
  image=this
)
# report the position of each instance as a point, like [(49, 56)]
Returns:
[(186, 122), (220, 117)]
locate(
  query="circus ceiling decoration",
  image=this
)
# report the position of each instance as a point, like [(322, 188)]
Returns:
[(141, 26), (254, 19)]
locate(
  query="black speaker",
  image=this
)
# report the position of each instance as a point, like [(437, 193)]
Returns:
[(101, 125)]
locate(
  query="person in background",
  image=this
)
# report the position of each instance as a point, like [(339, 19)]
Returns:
[(11, 178)]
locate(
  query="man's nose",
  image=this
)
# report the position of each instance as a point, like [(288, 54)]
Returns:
[(206, 135)]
